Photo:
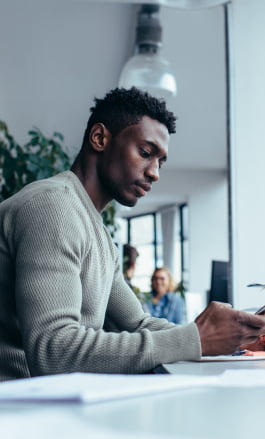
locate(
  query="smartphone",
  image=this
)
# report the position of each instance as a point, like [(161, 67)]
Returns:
[(261, 310)]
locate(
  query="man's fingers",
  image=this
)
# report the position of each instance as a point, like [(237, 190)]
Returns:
[(251, 320)]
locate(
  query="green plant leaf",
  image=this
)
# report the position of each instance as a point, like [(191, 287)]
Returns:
[(40, 157), (59, 135)]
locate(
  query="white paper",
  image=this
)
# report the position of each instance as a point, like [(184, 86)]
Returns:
[(93, 388), (232, 358)]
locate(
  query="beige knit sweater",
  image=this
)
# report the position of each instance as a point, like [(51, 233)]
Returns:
[(64, 306)]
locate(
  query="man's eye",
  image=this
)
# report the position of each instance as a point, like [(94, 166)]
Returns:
[(144, 153)]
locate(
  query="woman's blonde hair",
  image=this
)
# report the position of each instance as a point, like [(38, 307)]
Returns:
[(171, 283)]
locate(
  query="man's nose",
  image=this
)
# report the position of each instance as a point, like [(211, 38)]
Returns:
[(153, 171)]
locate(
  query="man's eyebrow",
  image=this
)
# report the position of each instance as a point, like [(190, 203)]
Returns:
[(154, 146)]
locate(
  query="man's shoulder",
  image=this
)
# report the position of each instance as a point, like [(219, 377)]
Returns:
[(47, 188), (43, 197), (58, 182)]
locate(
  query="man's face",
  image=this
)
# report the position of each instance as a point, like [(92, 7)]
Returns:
[(131, 161)]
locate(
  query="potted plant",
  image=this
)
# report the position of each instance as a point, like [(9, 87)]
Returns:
[(41, 157)]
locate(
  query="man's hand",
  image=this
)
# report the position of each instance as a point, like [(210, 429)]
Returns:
[(223, 330), (258, 345)]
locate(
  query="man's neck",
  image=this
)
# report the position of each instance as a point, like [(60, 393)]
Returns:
[(88, 177)]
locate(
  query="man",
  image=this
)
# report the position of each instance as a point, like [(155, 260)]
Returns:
[(64, 304)]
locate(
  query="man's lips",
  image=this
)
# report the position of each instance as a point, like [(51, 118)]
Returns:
[(143, 188)]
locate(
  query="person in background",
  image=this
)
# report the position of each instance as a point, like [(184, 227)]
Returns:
[(164, 302), (130, 255)]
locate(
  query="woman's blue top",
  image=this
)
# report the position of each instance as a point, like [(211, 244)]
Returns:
[(171, 306)]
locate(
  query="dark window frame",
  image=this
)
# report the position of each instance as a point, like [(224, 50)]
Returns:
[(183, 237)]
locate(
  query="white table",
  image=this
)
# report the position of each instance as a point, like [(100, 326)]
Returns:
[(212, 367), (210, 413)]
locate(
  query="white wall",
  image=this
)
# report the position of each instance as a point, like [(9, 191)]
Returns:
[(247, 44), (55, 58), (208, 228)]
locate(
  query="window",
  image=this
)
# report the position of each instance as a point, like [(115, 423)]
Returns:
[(145, 233)]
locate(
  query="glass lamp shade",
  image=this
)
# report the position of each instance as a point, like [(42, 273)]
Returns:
[(149, 72)]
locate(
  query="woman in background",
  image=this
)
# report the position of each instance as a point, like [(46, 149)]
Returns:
[(164, 301)]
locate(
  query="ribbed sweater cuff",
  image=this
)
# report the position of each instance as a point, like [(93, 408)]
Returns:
[(181, 343)]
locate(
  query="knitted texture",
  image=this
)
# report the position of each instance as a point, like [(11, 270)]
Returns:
[(64, 305)]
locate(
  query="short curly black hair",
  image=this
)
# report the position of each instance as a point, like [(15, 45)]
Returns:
[(121, 108)]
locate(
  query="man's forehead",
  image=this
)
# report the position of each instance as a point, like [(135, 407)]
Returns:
[(148, 122), (151, 130)]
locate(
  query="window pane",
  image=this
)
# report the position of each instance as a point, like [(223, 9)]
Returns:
[(160, 261), (145, 260), (144, 267), (123, 230), (142, 230), (185, 246)]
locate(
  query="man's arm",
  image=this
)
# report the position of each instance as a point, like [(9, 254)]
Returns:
[(222, 329), (49, 302), (125, 312), (58, 337)]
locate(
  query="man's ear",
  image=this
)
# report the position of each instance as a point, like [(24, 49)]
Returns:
[(99, 137)]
